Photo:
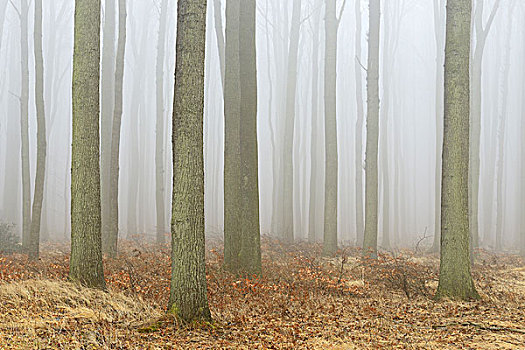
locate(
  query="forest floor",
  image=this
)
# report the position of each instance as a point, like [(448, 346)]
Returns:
[(302, 301)]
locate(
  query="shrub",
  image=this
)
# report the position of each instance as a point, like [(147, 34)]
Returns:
[(8, 240)]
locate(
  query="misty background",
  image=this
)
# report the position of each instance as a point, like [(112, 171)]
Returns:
[(408, 86)]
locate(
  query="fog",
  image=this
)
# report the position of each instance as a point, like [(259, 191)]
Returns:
[(411, 52)]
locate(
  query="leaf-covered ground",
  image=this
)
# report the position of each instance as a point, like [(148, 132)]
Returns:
[(302, 301)]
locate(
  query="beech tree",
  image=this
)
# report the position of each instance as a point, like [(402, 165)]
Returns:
[(455, 280), (188, 293), (86, 235)]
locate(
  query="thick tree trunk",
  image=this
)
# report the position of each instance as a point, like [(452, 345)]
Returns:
[(107, 100), (455, 280), (86, 239), (111, 246), (372, 132), (232, 151), (360, 225), (188, 299), (34, 244), (250, 252), (160, 125), (314, 148)]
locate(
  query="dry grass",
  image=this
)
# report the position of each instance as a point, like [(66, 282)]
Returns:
[(302, 302)]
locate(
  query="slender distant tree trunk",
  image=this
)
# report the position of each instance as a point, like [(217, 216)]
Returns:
[(475, 122), (372, 132), (522, 246), (331, 166), (107, 95), (24, 124), (439, 32), (314, 149), (34, 244), (502, 129), (455, 280), (360, 226), (112, 242), (188, 299), (232, 151), (289, 123), (3, 6), (160, 124), (86, 238)]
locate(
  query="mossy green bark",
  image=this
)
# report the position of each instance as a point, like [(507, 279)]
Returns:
[(188, 295), (455, 280), (86, 239)]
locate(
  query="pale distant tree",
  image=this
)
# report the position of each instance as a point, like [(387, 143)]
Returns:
[(188, 296), (289, 123), (372, 131), (86, 235), (112, 238), (34, 241), (314, 150), (455, 280), (3, 6), (439, 36), (360, 225), (160, 123), (480, 32)]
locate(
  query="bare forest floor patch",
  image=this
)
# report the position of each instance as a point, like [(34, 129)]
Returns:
[(302, 301)]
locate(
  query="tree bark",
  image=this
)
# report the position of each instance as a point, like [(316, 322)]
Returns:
[(86, 239), (372, 132), (34, 244), (455, 280), (188, 296)]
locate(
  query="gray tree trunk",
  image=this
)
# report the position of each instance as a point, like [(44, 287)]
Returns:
[(86, 237), (188, 296), (439, 32), (360, 225), (289, 123), (34, 242), (160, 125), (107, 100), (481, 34), (314, 148), (24, 125), (455, 280), (372, 132), (217, 15), (112, 240)]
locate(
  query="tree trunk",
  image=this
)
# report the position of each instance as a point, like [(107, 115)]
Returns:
[(314, 148), (360, 226), (112, 242), (372, 132), (160, 124), (86, 239), (232, 151), (250, 252), (107, 100), (289, 123), (24, 125), (455, 280), (439, 20), (188, 299), (217, 15), (34, 243)]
